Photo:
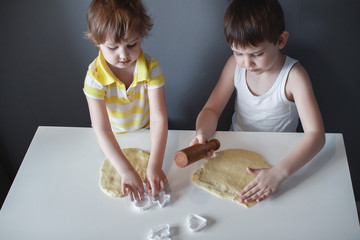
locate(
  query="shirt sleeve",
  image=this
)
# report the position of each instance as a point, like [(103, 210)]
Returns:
[(92, 88), (156, 75)]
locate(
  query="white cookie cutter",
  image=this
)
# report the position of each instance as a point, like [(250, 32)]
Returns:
[(161, 232), (161, 200), (195, 222), (143, 205)]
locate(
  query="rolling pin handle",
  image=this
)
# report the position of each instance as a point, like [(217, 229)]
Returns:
[(213, 144), (194, 153)]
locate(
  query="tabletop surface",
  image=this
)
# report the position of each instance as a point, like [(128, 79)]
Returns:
[(56, 193)]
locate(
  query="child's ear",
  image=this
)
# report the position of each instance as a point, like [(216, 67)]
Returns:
[(282, 39)]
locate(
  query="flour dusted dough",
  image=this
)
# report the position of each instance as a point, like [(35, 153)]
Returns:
[(110, 179), (225, 174)]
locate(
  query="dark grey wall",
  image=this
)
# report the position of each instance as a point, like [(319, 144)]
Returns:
[(45, 56)]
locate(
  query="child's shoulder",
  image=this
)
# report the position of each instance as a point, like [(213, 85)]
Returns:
[(298, 73), (93, 66), (298, 80), (148, 57), (150, 61), (93, 70), (230, 65)]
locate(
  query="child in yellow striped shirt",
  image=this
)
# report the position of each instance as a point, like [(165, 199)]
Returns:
[(121, 86)]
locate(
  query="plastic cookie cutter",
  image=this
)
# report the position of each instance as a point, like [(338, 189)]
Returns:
[(161, 232), (143, 205), (195, 222), (162, 199)]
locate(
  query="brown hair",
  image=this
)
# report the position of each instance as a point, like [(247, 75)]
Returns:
[(249, 22), (116, 19)]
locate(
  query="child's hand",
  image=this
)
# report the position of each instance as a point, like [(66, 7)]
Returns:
[(265, 184), (133, 186), (200, 139), (156, 180)]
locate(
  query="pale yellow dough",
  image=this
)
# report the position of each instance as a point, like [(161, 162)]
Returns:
[(225, 174), (110, 179)]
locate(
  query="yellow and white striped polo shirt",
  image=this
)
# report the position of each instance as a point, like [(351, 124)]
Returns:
[(129, 109)]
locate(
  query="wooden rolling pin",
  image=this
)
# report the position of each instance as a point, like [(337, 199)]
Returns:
[(194, 153)]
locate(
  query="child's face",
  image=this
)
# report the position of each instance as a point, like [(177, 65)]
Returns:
[(123, 54), (256, 59)]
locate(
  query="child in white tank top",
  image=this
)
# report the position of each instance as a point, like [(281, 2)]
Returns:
[(277, 113), (272, 91)]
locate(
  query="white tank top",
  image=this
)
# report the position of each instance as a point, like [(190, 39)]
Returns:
[(270, 112)]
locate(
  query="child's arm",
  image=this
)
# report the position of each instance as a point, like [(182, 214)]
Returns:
[(267, 181), (131, 181), (156, 178), (207, 119)]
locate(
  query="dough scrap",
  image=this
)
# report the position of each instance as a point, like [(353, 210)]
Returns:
[(110, 179), (225, 174)]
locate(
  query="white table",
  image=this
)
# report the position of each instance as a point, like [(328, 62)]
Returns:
[(56, 195)]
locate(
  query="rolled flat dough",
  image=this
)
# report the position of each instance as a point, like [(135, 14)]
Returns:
[(110, 179), (225, 174)]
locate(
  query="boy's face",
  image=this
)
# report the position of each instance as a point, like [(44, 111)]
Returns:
[(256, 59), (123, 54)]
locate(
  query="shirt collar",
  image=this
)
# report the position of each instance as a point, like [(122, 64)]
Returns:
[(106, 77), (141, 69)]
